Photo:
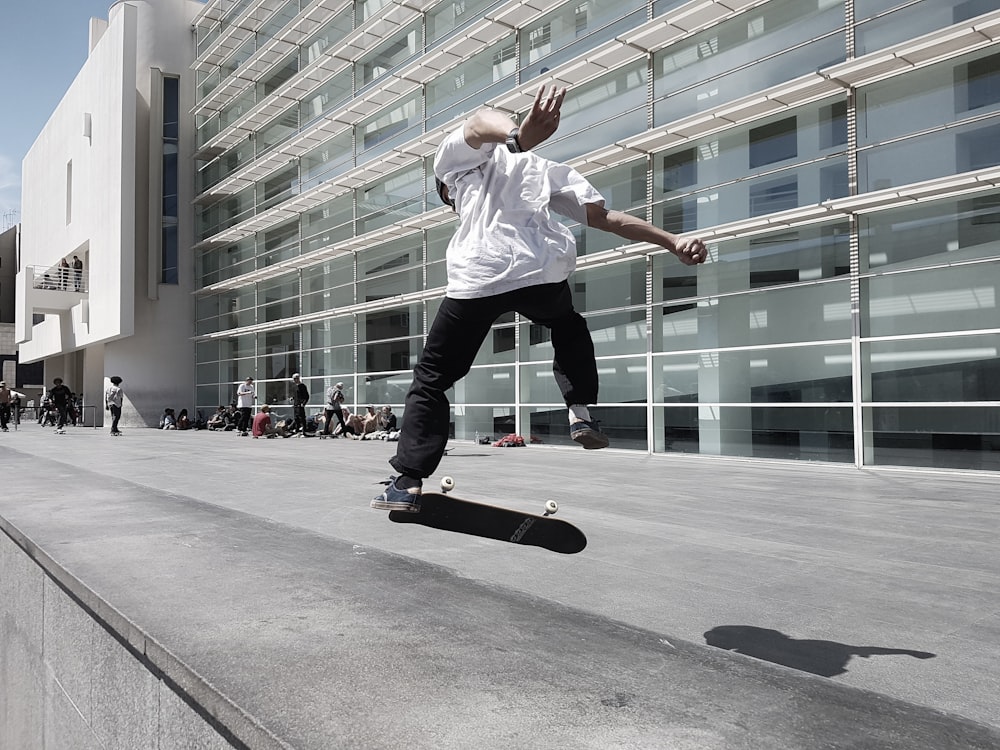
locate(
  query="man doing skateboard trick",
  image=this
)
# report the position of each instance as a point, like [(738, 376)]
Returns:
[(509, 254)]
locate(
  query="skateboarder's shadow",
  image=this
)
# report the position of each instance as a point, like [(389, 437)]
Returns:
[(826, 658)]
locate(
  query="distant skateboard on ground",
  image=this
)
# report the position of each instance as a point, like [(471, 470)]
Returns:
[(449, 513)]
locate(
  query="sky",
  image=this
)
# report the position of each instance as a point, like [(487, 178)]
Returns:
[(43, 47)]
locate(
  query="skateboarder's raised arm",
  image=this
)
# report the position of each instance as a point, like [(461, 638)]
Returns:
[(491, 126), (689, 250)]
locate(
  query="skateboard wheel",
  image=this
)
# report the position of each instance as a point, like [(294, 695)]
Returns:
[(447, 484), (551, 506)]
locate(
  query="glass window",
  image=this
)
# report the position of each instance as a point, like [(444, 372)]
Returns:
[(330, 362), (705, 183), (465, 86), (447, 17), (329, 285), (276, 131), (391, 338), (390, 199), (389, 54), (799, 255), (278, 76), (753, 51), (878, 29), (952, 437), (278, 359), (393, 125), (776, 141), (572, 28), (961, 368), (607, 287), (277, 188), (947, 231), (962, 299), (799, 374), (278, 243), (330, 332), (385, 388), (334, 157), (931, 97), (624, 425), (278, 298), (332, 33), (328, 224), (392, 269), (601, 112), (803, 433)]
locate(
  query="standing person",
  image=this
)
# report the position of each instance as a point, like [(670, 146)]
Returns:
[(509, 254), (6, 399), (335, 407), (77, 273), (300, 397), (113, 398), (61, 395), (10, 402), (63, 274), (246, 397)]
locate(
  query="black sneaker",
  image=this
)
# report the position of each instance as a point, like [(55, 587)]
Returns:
[(588, 434), (396, 498)]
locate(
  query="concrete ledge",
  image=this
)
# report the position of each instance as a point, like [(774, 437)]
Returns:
[(258, 634)]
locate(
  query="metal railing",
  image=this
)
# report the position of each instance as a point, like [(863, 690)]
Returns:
[(59, 278)]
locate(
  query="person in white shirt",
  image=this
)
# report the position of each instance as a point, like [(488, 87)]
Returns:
[(113, 399), (8, 405), (246, 395), (509, 254)]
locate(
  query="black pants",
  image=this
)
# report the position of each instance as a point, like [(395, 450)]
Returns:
[(244, 425), (116, 414), (4, 415), (328, 426), (459, 329), (299, 413), (63, 414)]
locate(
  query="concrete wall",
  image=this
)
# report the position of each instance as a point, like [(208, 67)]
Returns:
[(67, 683)]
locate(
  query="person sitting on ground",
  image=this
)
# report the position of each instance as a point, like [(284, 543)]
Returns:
[(218, 420), (183, 421), (386, 419), (262, 425), (369, 423), (168, 421), (232, 417)]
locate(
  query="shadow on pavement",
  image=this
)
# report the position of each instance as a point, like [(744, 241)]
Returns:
[(825, 658)]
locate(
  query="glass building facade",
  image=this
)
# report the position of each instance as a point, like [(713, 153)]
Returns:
[(840, 157)]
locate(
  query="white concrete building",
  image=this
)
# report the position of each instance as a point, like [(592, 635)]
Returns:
[(103, 182)]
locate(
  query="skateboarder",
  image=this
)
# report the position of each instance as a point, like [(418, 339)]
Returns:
[(509, 254), (113, 399)]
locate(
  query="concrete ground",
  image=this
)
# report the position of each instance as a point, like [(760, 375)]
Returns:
[(852, 581)]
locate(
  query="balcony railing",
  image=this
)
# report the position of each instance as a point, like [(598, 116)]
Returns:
[(59, 279)]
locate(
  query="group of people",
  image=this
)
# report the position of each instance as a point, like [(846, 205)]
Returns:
[(334, 420), (171, 420), (70, 276)]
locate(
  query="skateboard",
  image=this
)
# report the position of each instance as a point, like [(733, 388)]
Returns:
[(449, 513)]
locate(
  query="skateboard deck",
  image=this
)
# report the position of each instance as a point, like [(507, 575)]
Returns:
[(449, 513)]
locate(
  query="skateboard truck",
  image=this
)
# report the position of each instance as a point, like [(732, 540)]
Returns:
[(448, 484)]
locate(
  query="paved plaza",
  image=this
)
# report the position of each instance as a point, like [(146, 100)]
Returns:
[(855, 588)]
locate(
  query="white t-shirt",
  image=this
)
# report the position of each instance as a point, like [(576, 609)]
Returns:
[(507, 237), (245, 395)]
